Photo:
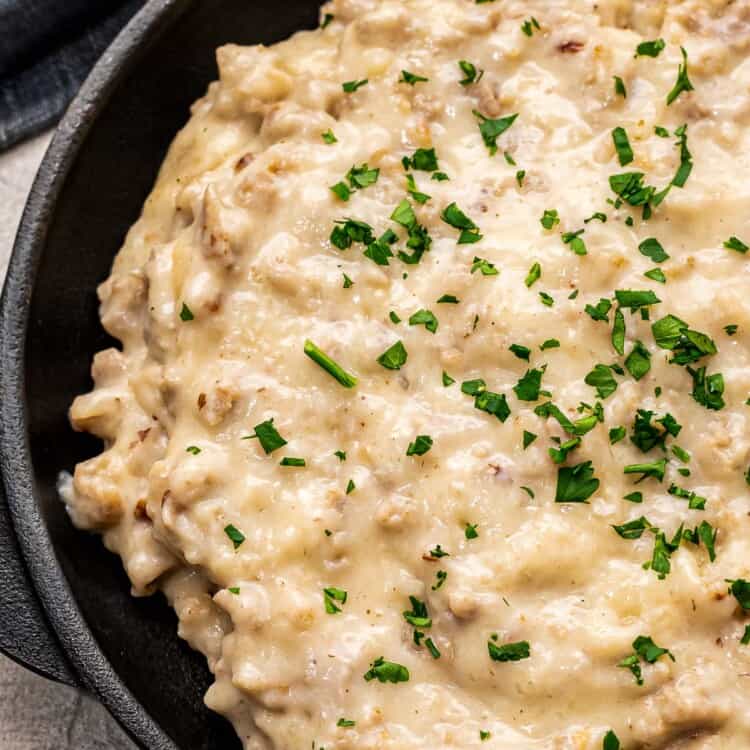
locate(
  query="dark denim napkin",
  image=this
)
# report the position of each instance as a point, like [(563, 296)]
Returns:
[(47, 48)]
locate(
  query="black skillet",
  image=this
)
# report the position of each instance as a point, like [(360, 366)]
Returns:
[(65, 607)]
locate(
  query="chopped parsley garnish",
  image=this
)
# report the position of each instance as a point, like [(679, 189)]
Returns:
[(328, 137), (634, 497), (345, 723), (653, 249), (695, 502), (529, 25), (576, 484), (437, 552), (327, 18), (520, 174), (580, 427), (351, 86), (508, 651), (411, 78), (528, 438), (731, 329), (394, 357), (654, 469), (471, 74), (546, 299), (349, 231), (559, 455), (633, 529), (549, 344), (440, 577), (341, 455), (425, 318), (622, 146), (599, 311), (420, 446), (268, 436), (509, 158), (194, 449), (423, 159), (394, 318), (647, 436), (618, 332), (332, 368), (332, 595), (610, 741), (186, 314), (644, 650), (386, 671), (235, 535), (289, 461), (492, 403), (735, 243), (602, 379), (491, 130), (620, 89), (440, 177), (418, 616), (350, 487), (449, 299), (688, 345), (527, 388), (745, 636), (577, 245), (616, 434), (447, 379), (522, 352), (708, 389), (470, 531), (234, 590), (455, 217), (656, 274), (484, 735), (534, 274), (484, 266), (348, 283), (633, 300), (362, 176), (740, 590), (683, 82), (549, 218), (650, 49), (638, 362)]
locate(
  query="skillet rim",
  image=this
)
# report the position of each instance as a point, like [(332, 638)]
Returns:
[(45, 572)]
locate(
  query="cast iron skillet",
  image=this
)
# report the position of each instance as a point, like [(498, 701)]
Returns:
[(65, 607)]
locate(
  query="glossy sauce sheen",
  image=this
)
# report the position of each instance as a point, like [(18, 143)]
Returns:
[(237, 230)]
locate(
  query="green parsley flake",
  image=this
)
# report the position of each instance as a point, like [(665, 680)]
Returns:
[(633, 497), (622, 146), (470, 531), (328, 137), (394, 357), (529, 25), (577, 245), (546, 299), (234, 590), (549, 344), (449, 299), (186, 314), (341, 455), (332, 595), (394, 318), (576, 484), (268, 436), (638, 362), (332, 368), (620, 87), (522, 352), (650, 49), (491, 130), (471, 74), (345, 723), (351, 86), (484, 735), (655, 469), (235, 535), (610, 741), (411, 78), (420, 446), (386, 671), (683, 82), (455, 217), (348, 283), (508, 651), (528, 438), (425, 318), (656, 274), (549, 218), (194, 449), (527, 388), (602, 380), (289, 461), (653, 249), (350, 487), (735, 243), (447, 379), (484, 266), (616, 434), (645, 650)]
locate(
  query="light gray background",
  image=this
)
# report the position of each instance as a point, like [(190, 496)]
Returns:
[(36, 714)]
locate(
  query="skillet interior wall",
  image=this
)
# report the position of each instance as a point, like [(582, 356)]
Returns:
[(101, 198)]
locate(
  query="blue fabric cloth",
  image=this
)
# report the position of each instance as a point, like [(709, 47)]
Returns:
[(47, 48)]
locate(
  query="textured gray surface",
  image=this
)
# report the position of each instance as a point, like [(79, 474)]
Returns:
[(36, 714)]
